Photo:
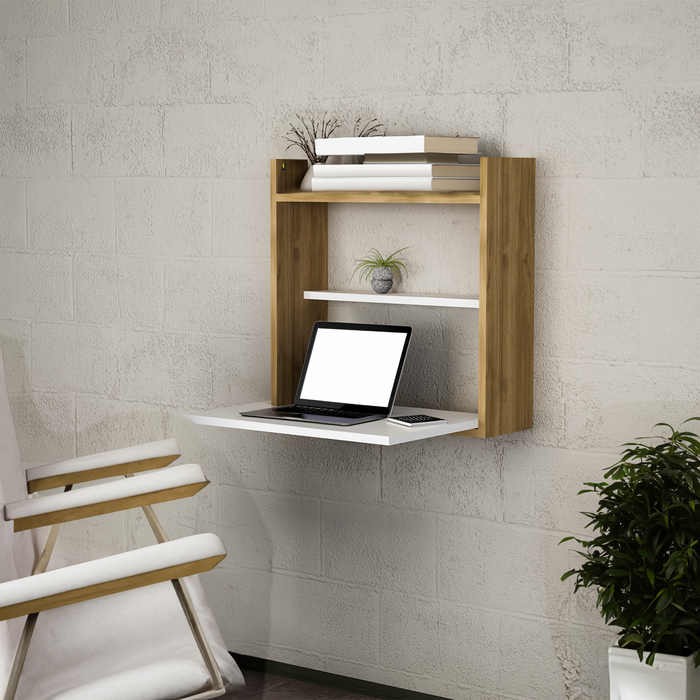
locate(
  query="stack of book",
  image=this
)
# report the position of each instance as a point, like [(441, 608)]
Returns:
[(396, 163)]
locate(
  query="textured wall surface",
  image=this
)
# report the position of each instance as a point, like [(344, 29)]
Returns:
[(134, 286)]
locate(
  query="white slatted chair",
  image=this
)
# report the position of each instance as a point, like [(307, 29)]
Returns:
[(110, 628)]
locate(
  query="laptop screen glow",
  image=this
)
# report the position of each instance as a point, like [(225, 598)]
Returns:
[(353, 366)]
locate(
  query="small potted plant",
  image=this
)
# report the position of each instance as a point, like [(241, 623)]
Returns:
[(645, 562), (380, 270)]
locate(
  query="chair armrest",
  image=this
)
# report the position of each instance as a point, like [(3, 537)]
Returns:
[(157, 487), (127, 460), (120, 572)]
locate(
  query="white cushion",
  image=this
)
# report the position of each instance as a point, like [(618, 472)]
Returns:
[(118, 566), (182, 475), (174, 678), (108, 647), (125, 455)]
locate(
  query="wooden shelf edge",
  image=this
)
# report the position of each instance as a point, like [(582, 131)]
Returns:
[(401, 299), (382, 197)]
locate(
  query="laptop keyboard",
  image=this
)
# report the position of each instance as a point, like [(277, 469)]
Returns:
[(315, 411)]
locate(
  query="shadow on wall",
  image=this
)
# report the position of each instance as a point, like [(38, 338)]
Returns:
[(236, 506), (17, 371), (240, 588)]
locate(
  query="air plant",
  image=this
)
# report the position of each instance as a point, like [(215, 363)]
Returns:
[(375, 259)]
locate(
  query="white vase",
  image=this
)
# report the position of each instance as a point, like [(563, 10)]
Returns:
[(669, 678)]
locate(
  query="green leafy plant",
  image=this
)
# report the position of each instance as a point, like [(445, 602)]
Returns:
[(375, 259), (645, 558)]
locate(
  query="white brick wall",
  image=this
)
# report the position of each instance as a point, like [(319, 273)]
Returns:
[(134, 285)]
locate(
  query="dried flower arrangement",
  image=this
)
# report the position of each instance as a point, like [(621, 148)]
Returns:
[(369, 129), (305, 136)]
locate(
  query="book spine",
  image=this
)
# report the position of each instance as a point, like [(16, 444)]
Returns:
[(377, 184), (451, 158), (395, 170), (325, 184)]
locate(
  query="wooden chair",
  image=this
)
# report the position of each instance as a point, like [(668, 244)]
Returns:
[(111, 628)]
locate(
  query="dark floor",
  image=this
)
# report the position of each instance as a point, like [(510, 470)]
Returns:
[(264, 686)]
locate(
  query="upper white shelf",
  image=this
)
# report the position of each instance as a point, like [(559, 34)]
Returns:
[(407, 299), (379, 432)]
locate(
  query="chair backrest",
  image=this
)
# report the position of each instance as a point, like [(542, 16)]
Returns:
[(17, 550)]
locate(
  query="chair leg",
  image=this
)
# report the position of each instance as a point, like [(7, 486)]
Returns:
[(198, 633), (191, 615), (43, 562), (20, 656), (30, 623)]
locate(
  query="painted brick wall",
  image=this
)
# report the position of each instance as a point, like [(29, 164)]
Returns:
[(134, 285)]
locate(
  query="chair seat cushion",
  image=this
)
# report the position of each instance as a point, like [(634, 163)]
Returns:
[(114, 648), (163, 680)]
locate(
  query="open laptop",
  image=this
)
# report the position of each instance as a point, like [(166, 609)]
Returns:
[(350, 374)]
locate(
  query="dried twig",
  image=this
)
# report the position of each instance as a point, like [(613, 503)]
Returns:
[(369, 129), (305, 136)]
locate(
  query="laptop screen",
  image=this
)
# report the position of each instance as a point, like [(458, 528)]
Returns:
[(353, 364)]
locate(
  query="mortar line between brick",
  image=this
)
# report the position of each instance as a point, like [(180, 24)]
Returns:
[(437, 559), (72, 286), (380, 628), (114, 217), (26, 215), (321, 562), (75, 425), (26, 72), (212, 185), (164, 274), (72, 142)]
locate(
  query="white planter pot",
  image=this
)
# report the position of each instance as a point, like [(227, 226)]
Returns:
[(670, 678)]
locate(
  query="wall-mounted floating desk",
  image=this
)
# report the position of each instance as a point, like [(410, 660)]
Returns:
[(376, 433), (505, 304)]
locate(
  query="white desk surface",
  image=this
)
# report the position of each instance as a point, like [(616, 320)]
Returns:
[(376, 433)]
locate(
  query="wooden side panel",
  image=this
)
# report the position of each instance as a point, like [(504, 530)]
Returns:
[(299, 257), (506, 295)]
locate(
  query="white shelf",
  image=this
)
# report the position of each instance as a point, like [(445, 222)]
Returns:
[(376, 433), (408, 299)]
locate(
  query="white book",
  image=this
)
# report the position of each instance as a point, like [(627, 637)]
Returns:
[(411, 158), (360, 145), (393, 170), (394, 184)]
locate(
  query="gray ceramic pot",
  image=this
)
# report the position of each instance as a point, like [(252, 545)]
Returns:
[(382, 279)]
